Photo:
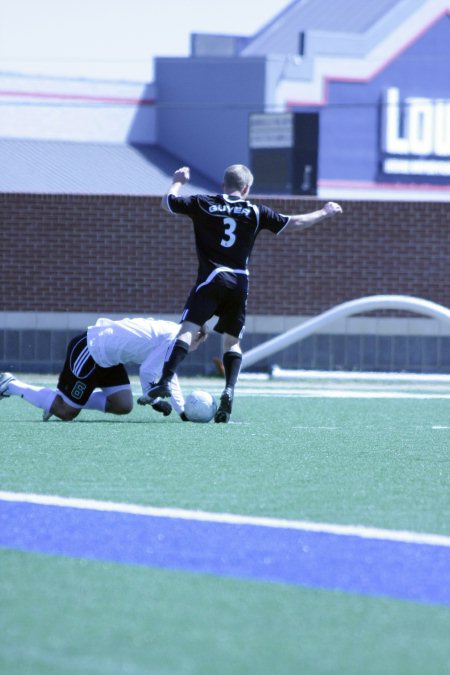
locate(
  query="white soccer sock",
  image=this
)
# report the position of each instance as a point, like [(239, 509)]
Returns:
[(96, 401), (41, 397)]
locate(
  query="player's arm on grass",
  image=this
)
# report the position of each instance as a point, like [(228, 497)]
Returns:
[(304, 220), (176, 396), (149, 372), (179, 178)]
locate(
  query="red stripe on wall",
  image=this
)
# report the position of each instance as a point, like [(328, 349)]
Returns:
[(77, 97)]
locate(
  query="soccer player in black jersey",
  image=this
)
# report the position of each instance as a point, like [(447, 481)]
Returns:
[(225, 226)]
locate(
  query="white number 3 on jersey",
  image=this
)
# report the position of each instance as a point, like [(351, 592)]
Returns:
[(229, 233)]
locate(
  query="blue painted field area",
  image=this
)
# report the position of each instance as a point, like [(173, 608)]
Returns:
[(310, 535), (372, 566)]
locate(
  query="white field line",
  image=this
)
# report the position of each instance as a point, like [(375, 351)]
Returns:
[(229, 518), (337, 394), (287, 392), (353, 376), (305, 390), (252, 386)]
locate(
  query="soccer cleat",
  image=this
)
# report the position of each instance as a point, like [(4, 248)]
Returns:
[(46, 415), (224, 410), (5, 379), (163, 407), (145, 400), (159, 390)]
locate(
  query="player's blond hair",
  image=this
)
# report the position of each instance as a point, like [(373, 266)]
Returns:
[(236, 177)]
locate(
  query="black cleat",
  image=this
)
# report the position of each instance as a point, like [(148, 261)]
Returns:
[(163, 407), (159, 390), (224, 410)]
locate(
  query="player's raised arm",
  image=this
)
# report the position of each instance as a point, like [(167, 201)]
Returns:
[(304, 220), (180, 177)]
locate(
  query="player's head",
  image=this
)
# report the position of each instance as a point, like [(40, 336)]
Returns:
[(237, 177)]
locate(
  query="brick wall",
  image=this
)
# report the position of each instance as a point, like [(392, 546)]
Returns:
[(125, 254)]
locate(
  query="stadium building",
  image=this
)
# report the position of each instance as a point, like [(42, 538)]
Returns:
[(343, 99), (330, 100)]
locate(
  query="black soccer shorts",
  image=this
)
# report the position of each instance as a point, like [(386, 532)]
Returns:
[(81, 374), (225, 297)]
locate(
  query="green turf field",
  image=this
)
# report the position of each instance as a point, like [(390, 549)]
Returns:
[(321, 452)]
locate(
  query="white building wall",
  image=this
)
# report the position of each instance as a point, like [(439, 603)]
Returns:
[(83, 110)]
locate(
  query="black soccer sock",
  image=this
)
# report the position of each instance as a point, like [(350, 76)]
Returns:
[(177, 355), (232, 362)]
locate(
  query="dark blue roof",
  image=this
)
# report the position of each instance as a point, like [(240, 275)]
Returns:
[(281, 34), (90, 168)]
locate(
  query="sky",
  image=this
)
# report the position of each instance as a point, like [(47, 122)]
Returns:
[(116, 39)]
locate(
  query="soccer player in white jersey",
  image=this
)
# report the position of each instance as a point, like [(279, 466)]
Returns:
[(95, 361), (225, 227)]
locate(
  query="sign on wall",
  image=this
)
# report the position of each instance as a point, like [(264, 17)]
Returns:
[(415, 137), (284, 152), (275, 130)]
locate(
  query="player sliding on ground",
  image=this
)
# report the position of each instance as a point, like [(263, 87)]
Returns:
[(225, 228), (94, 360)]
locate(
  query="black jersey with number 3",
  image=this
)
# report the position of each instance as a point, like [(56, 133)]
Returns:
[(225, 230)]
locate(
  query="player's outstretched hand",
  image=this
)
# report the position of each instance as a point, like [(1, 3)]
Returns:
[(332, 209), (182, 175)]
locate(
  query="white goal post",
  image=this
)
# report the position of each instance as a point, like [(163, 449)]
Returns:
[(367, 304)]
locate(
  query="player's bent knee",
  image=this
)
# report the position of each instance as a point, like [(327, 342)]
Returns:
[(120, 403), (67, 414), (121, 409), (231, 344), (63, 410)]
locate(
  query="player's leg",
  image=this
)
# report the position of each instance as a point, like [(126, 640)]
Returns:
[(76, 383), (232, 360), (115, 400), (175, 356), (41, 397), (231, 324), (199, 307), (119, 402), (115, 396), (63, 410), (77, 380)]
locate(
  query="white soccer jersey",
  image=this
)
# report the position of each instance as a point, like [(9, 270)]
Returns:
[(141, 341)]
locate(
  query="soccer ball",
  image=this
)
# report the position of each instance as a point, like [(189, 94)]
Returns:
[(200, 406)]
